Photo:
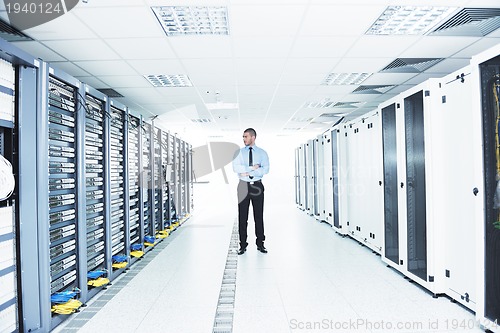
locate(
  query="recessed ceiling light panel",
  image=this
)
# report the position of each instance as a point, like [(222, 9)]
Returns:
[(345, 78), (192, 20), (408, 20), (169, 80)]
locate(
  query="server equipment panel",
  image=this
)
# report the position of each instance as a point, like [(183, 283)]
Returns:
[(134, 172), (157, 202), (8, 266), (63, 198), (147, 183), (117, 175)]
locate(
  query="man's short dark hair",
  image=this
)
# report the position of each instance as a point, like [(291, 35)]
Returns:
[(251, 131)]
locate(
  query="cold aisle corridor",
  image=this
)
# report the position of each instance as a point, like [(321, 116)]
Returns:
[(312, 280)]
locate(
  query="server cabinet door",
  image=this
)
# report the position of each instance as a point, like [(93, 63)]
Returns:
[(303, 177), (415, 185), (328, 178), (458, 250), (490, 91), (390, 182)]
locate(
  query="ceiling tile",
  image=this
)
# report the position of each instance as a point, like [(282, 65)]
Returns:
[(262, 46), (58, 29), (265, 20), (224, 94), (448, 66), (321, 46), (307, 71), (438, 46), (121, 21), (166, 66), (201, 46), (92, 81), (210, 71), (142, 48), (109, 67), (70, 68), (381, 46), (388, 78), (361, 65), (341, 20), (88, 49), (477, 47), (39, 50), (125, 81), (259, 71)]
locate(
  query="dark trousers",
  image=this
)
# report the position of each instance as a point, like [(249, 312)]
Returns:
[(253, 193)]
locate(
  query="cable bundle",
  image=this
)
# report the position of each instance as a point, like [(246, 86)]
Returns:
[(64, 302), (162, 234), (137, 254), (96, 274), (7, 181), (99, 282), (149, 240), (136, 247), (67, 308), (119, 261)]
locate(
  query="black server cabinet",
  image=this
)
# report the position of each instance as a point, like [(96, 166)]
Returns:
[(415, 185), (118, 193), (391, 230), (156, 189), (65, 201), (96, 186), (490, 92), (147, 184), (134, 175)]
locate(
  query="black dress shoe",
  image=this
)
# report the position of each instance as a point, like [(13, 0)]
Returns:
[(262, 249), (241, 251)]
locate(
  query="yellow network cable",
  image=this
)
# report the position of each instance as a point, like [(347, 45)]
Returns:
[(120, 264), (66, 308), (137, 254), (99, 282), (149, 244)]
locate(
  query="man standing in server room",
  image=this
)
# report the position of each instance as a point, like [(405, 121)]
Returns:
[(250, 164)]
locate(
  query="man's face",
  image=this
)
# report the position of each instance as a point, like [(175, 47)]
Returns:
[(248, 140)]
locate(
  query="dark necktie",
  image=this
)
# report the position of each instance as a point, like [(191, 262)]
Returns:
[(250, 159)]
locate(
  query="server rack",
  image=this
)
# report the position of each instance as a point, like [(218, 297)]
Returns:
[(296, 177), (8, 265), (364, 167), (177, 177), (485, 77), (164, 181), (134, 167), (410, 122), (172, 189), (189, 178), (310, 177), (61, 133), (97, 187), (147, 190), (327, 179), (318, 203), (156, 189), (303, 177), (119, 186)]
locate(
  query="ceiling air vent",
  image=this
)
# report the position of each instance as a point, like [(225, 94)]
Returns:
[(11, 34), (331, 115), (201, 120), (410, 65), (110, 92), (348, 105), (470, 22), (372, 89), (345, 78)]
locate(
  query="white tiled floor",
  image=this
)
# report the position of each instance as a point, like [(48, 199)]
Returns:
[(311, 278)]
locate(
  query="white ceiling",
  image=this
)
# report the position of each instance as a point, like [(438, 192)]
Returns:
[(273, 61)]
